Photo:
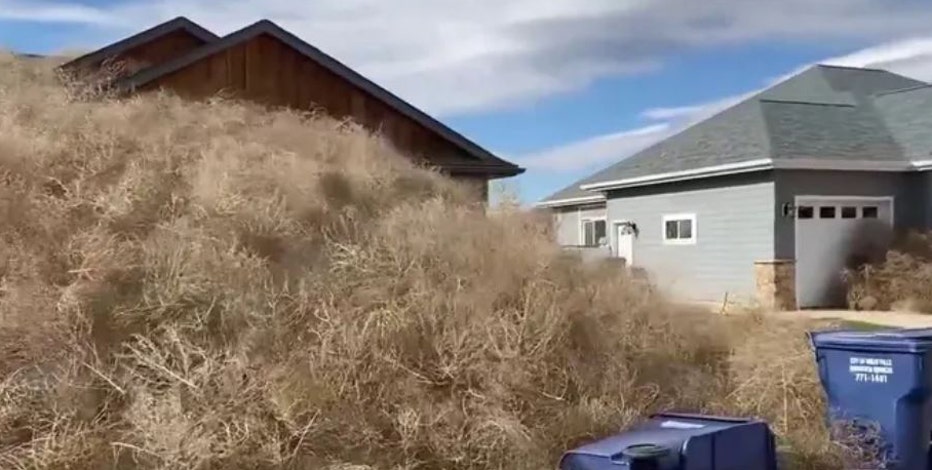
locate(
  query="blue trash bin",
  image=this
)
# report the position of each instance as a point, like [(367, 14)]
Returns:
[(881, 379), (676, 441)]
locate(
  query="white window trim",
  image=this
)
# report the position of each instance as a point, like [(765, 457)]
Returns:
[(582, 229), (678, 241)]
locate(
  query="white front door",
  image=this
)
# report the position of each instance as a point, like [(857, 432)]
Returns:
[(624, 243)]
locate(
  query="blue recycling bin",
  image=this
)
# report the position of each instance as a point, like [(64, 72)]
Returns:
[(676, 441), (881, 379)]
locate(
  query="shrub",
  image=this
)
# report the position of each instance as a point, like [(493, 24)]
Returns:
[(901, 280)]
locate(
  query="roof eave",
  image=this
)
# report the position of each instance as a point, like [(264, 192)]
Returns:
[(705, 172), (487, 170), (813, 164), (922, 165), (573, 201)]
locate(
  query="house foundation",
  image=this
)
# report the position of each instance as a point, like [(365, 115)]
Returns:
[(776, 284)]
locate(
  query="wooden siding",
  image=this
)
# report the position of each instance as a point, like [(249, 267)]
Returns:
[(265, 70), (154, 52), (478, 185)]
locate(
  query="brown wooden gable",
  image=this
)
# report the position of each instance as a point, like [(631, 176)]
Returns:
[(268, 65), (152, 47), (265, 70)]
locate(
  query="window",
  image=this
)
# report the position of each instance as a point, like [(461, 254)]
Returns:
[(593, 232), (869, 212), (805, 212), (679, 229), (849, 212), (827, 212)]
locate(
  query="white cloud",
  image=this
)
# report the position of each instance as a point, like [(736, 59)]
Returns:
[(51, 12), (660, 114), (685, 115), (597, 150), (454, 56), (910, 57)]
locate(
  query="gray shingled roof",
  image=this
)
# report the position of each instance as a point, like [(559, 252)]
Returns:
[(908, 116), (825, 112), (572, 191)]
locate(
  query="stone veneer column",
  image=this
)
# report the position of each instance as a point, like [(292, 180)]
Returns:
[(776, 284)]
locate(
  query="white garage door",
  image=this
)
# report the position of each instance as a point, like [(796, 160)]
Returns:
[(831, 232)]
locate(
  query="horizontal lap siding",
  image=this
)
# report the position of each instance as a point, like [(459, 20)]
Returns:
[(566, 223), (734, 227), (566, 226)]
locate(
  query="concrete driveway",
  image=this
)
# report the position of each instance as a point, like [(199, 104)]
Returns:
[(897, 319)]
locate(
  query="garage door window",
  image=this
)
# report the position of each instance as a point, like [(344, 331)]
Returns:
[(834, 212), (679, 229)]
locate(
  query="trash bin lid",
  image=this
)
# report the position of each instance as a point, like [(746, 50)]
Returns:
[(632, 444), (646, 451), (909, 340)]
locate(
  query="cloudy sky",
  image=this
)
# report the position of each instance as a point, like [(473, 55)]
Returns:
[(563, 87)]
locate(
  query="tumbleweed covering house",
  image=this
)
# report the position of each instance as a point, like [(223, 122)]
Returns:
[(266, 64)]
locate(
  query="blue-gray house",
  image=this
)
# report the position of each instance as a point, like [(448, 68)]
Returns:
[(771, 198)]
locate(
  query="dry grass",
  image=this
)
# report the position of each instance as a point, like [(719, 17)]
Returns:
[(213, 286), (902, 280)]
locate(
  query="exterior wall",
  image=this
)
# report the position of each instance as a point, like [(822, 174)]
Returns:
[(154, 52), (924, 185), (776, 284), (568, 231), (565, 226), (912, 197), (479, 186), (265, 70), (567, 223), (734, 230)]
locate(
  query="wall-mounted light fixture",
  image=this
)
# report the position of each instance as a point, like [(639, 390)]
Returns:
[(789, 209)]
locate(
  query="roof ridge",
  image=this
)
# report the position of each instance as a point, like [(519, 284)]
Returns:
[(851, 67), (902, 90), (751, 98), (812, 103)]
